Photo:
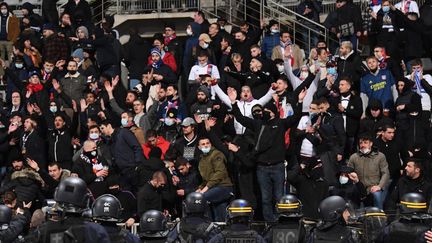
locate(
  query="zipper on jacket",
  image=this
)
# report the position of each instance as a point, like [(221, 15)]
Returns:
[(55, 148)]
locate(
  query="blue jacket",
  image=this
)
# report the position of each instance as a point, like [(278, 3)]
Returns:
[(269, 42), (191, 42)]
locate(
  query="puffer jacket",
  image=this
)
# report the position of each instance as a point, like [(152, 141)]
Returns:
[(26, 183)]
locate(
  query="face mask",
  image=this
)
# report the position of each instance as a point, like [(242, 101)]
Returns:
[(203, 65), (274, 31), (91, 154), (124, 122), (189, 32), (205, 150), (4, 11), (170, 97), (222, 27), (169, 122), (373, 70), (312, 117), (19, 65), (266, 115), (343, 180), (257, 116), (205, 45), (94, 136), (48, 70), (72, 72), (331, 71), (280, 68), (386, 9), (53, 109), (303, 75), (365, 151)]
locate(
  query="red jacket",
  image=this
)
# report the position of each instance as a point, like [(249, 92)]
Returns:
[(168, 59), (161, 143)]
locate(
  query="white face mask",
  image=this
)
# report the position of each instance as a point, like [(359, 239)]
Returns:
[(205, 45), (274, 31), (203, 64), (169, 121), (53, 109), (205, 150), (303, 75), (94, 136), (189, 32), (343, 180), (4, 11), (365, 151), (280, 68)]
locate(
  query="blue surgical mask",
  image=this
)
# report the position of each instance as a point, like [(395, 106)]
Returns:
[(94, 136), (331, 71), (205, 150), (169, 121), (124, 122), (386, 9), (19, 65)]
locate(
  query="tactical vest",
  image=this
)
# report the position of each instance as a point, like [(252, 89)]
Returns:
[(332, 236), (248, 236), (191, 232), (70, 230), (406, 232), (118, 237), (286, 234)]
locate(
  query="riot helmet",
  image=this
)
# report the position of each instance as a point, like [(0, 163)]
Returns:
[(332, 208), (72, 195), (413, 203), (240, 208), (106, 208), (151, 222), (289, 206), (195, 203), (5, 215), (374, 220)]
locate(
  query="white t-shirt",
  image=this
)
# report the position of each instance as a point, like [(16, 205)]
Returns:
[(209, 69), (412, 8), (307, 148)]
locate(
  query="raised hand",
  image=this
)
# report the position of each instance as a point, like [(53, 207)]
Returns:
[(30, 108), (33, 164), (74, 106), (232, 94), (115, 81), (302, 94), (56, 85), (108, 87), (83, 105)]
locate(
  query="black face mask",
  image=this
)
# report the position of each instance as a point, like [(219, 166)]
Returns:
[(72, 72), (266, 115), (170, 97), (91, 154), (257, 116), (373, 70)]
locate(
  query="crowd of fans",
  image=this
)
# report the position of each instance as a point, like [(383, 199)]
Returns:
[(226, 114)]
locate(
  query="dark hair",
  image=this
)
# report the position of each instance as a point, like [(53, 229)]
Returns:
[(322, 100), (201, 13), (151, 133), (203, 138), (128, 113), (54, 164), (106, 122), (387, 126), (217, 25), (94, 126), (203, 54), (320, 50), (255, 46), (365, 136), (416, 62), (181, 161), (175, 87), (284, 31), (347, 79)]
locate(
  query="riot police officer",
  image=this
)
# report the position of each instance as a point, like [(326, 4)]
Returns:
[(334, 215), (153, 227), (373, 221), (11, 228), (289, 228), (413, 221), (195, 225), (106, 210), (240, 214), (72, 198)]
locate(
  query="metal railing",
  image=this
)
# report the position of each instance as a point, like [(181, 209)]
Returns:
[(303, 29)]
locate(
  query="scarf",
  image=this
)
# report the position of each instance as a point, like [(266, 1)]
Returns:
[(375, 2), (417, 80), (168, 39), (157, 64), (405, 6), (35, 87)]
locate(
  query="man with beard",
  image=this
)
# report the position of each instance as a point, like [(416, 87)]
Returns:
[(269, 146), (186, 145), (172, 102), (60, 148), (150, 195), (51, 178), (372, 170), (24, 181), (413, 181), (32, 145), (203, 107)]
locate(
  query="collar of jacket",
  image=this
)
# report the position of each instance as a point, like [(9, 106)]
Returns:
[(72, 76), (371, 154), (347, 56)]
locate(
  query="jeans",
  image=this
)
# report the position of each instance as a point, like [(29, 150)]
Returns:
[(378, 199), (271, 182), (218, 197)]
